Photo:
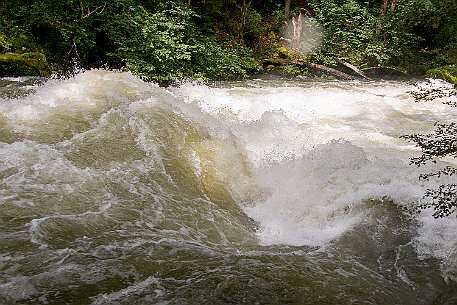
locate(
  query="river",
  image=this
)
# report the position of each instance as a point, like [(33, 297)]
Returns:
[(263, 191)]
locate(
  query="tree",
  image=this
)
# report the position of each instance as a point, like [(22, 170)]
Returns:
[(159, 40), (441, 143), (287, 8)]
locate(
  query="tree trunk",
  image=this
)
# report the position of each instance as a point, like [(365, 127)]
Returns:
[(385, 5), (287, 9), (383, 9)]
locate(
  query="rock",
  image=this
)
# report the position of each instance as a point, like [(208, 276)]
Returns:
[(26, 64)]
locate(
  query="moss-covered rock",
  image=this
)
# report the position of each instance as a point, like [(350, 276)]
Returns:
[(26, 64), (448, 73)]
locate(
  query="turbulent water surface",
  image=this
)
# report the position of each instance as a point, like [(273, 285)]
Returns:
[(118, 191)]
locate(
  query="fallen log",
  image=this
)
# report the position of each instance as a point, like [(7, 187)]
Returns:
[(354, 69), (328, 70)]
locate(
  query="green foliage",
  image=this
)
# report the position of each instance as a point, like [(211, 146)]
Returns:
[(348, 30), (288, 70), (425, 28), (267, 42), (248, 24), (413, 34), (66, 30), (157, 40), (4, 43), (213, 59), (361, 35), (446, 41), (15, 39), (166, 45), (164, 39), (157, 45)]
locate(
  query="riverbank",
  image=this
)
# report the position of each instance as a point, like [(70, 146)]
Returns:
[(35, 64)]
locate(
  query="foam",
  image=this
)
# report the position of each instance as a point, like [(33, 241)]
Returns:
[(322, 150)]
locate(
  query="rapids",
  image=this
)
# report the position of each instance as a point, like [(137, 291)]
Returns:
[(265, 191)]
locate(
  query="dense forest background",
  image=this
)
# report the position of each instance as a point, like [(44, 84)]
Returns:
[(162, 40)]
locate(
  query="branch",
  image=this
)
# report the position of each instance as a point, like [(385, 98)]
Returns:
[(75, 48), (98, 9), (439, 144), (443, 200)]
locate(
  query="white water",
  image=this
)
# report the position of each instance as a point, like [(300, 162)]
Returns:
[(308, 161), (322, 149)]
